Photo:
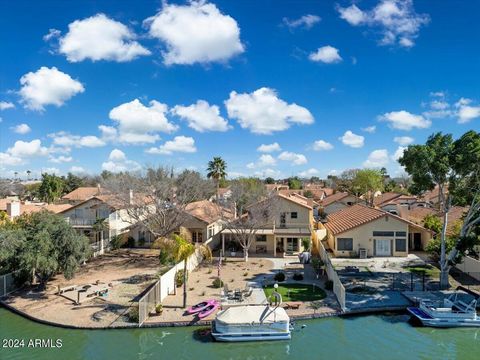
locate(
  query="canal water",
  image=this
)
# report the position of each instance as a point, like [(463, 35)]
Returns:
[(366, 337)]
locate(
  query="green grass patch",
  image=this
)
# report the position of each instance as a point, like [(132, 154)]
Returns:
[(428, 270), (297, 292)]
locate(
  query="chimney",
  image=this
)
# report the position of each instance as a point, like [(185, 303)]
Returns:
[(310, 202), (13, 209), (130, 197)]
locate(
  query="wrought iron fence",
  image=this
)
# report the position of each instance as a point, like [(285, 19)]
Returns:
[(7, 284)]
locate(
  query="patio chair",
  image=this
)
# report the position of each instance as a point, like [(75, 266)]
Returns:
[(249, 293), (226, 291)]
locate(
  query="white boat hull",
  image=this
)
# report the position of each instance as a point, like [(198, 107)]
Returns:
[(445, 322), (250, 337)]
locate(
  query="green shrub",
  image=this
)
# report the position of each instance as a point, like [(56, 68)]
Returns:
[(165, 257), (117, 242), (280, 276), (179, 278), (159, 308), (298, 276), (133, 314), (130, 242), (317, 263), (217, 283), (329, 285), (306, 244)]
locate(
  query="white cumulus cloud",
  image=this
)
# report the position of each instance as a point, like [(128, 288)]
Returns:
[(376, 159), (60, 159), (195, 33), (352, 140), (322, 145), (309, 173), (398, 153), (138, 123), (47, 86), (403, 120), (21, 129), (202, 116), (306, 21), (100, 38), (118, 162), (326, 54), (295, 159), (268, 148), (396, 21), (262, 112), (370, 129), (22, 151), (466, 111), (66, 139), (4, 105), (182, 144), (403, 140)]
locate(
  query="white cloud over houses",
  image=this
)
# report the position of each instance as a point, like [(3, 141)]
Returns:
[(322, 145), (21, 129), (138, 123), (293, 158), (276, 174), (268, 148), (22, 151), (352, 140), (195, 33), (68, 140), (306, 21), (263, 161), (118, 161), (309, 173), (4, 105), (396, 20), (404, 120), (263, 112), (183, 144), (403, 140), (47, 86), (326, 54), (376, 159), (100, 38), (202, 116)]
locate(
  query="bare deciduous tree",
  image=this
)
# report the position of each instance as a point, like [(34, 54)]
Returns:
[(157, 197), (253, 209)]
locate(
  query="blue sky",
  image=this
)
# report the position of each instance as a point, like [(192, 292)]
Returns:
[(117, 85)]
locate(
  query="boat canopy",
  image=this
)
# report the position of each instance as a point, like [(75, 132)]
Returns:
[(239, 315)]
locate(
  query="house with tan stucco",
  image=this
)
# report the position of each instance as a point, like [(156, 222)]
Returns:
[(362, 231), (293, 222)]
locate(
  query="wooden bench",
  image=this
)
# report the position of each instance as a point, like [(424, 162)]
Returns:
[(292, 305)]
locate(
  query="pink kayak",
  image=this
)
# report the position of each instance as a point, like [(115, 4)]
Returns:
[(208, 310), (200, 306)]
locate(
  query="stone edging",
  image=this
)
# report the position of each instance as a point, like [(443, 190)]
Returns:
[(366, 311)]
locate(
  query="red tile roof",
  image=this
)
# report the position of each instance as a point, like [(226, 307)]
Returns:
[(352, 217), (82, 193), (385, 197), (333, 198)]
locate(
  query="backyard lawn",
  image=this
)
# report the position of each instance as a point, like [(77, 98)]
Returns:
[(297, 292), (428, 270)]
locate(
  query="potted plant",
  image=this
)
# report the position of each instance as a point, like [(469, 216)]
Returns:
[(159, 309)]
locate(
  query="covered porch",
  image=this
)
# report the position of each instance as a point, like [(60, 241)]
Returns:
[(266, 241)]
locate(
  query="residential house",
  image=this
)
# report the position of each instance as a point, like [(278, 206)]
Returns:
[(338, 201), (86, 217), (364, 231), (293, 223), (81, 194), (203, 224), (14, 208)]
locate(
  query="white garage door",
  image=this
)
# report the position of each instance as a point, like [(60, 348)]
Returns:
[(382, 248)]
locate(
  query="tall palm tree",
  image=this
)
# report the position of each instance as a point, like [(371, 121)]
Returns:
[(181, 252), (28, 174), (217, 171)]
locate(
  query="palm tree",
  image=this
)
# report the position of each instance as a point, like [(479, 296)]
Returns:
[(28, 174), (181, 252), (16, 174), (217, 171)]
